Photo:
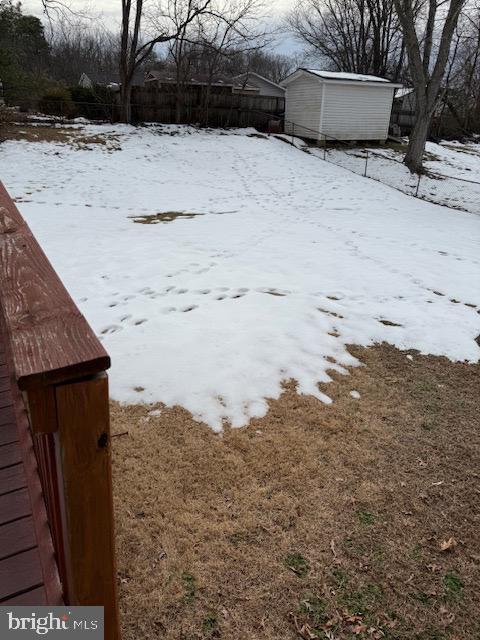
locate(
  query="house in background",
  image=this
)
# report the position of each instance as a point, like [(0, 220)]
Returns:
[(108, 79), (344, 106), (403, 111), (265, 86), (219, 84)]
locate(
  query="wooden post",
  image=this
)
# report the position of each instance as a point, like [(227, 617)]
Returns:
[(84, 454)]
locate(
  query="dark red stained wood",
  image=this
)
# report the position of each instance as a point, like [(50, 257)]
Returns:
[(14, 505), (24, 532), (16, 537), (9, 454), (7, 415), (20, 573), (8, 434), (49, 339), (12, 478), (5, 398), (51, 582), (35, 597)]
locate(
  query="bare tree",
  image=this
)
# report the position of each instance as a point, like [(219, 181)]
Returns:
[(171, 18), (463, 76), (78, 47), (273, 66), (426, 69), (233, 30), (205, 46), (360, 36)]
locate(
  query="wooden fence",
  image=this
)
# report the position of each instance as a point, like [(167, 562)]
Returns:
[(223, 109), (56, 370)]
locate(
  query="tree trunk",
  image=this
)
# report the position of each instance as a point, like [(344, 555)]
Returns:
[(178, 104), (417, 142), (125, 102)]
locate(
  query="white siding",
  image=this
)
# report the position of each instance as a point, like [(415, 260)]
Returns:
[(352, 112), (266, 88), (303, 101)]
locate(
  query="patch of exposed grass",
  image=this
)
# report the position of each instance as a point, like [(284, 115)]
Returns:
[(210, 625), (56, 133), (189, 587), (297, 563), (166, 216), (453, 586), (365, 517), (315, 608), (340, 577), (360, 602)]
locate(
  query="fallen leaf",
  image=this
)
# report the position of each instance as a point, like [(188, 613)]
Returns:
[(448, 545), (359, 628), (332, 547)]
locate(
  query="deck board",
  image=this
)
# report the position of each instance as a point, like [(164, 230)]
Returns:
[(16, 537), (8, 434), (12, 479), (14, 505), (10, 454), (22, 574)]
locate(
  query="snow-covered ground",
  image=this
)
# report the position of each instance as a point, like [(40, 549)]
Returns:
[(452, 178), (287, 261)]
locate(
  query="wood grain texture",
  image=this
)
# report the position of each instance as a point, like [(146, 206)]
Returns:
[(10, 454), (16, 537), (21, 494), (42, 409), (34, 597), (8, 433), (49, 339), (14, 505), (50, 577), (84, 442), (20, 573), (12, 478)]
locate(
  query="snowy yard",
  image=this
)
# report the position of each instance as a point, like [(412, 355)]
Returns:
[(283, 261), (452, 176)]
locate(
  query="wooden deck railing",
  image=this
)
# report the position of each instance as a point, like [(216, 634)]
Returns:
[(59, 367)]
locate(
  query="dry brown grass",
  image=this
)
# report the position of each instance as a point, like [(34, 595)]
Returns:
[(315, 521), (54, 133)]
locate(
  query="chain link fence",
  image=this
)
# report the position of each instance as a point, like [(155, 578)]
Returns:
[(448, 190)]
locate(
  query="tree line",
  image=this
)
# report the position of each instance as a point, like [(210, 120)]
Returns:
[(430, 45)]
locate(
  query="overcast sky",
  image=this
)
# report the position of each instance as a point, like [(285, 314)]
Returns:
[(109, 12)]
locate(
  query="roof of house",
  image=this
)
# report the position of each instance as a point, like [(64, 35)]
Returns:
[(403, 91), (341, 76), (253, 73), (169, 77), (104, 77)]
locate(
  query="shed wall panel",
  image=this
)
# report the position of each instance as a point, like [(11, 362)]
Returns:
[(302, 107), (353, 112)]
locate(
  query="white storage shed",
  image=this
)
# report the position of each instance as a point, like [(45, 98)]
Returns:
[(345, 106)]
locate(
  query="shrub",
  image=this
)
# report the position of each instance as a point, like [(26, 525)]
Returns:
[(93, 103), (57, 102), (9, 114)]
